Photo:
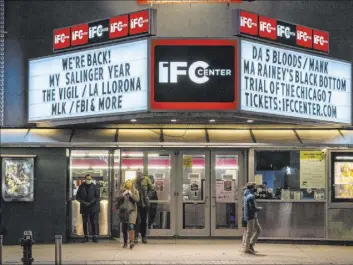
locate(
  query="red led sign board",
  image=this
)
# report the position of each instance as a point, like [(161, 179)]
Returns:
[(79, 35), (321, 40), (119, 27), (62, 38), (253, 25), (140, 23)]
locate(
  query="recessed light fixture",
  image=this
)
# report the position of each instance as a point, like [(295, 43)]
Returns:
[(250, 121), (173, 120), (133, 120), (212, 120)]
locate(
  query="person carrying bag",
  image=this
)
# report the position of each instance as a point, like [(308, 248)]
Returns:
[(127, 200)]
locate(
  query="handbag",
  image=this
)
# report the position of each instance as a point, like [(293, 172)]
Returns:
[(124, 212)]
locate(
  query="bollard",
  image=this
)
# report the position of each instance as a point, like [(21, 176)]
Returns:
[(26, 243), (58, 253), (1, 239)]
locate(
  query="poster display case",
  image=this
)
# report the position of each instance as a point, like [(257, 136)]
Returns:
[(342, 177), (17, 179)]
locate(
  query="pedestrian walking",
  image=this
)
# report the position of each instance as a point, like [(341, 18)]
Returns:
[(127, 200), (244, 223), (250, 216)]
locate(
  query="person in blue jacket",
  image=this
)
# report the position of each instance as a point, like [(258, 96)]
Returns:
[(244, 224), (250, 216)]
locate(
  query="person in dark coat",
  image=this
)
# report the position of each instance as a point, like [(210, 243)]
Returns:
[(153, 208), (144, 186), (250, 216), (88, 196)]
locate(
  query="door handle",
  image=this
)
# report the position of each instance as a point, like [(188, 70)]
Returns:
[(213, 202)]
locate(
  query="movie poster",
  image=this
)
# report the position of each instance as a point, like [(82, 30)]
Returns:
[(343, 177), (18, 179)]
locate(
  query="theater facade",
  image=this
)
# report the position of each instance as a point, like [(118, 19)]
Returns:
[(200, 115)]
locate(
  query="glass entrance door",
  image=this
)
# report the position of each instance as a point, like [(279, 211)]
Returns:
[(194, 199), (157, 165), (226, 195), (161, 220), (95, 163)]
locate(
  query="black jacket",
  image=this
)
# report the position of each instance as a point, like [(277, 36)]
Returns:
[(91, 197)]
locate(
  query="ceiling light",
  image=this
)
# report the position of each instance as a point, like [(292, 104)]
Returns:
[(133, 120), (212, 120), (250, 121), (173, 120)]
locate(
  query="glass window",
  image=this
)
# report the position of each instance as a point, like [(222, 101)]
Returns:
[(95, 163), (290, 175), (194, 191), (226, 170), (130, 163), (342, 177), (159, 166)]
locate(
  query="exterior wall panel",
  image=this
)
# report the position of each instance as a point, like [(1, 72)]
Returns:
[(46, 216)]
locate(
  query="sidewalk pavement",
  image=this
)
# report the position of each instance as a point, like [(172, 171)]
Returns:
[(184, 252)]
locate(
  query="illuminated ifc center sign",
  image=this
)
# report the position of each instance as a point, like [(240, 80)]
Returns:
[(253, 25), (191, 74), (96, 82), (198, 72), (277, 81), (133, 24)]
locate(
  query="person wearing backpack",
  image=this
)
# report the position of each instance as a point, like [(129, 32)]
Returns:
[(154, 206), (127, 200), (144, 186)]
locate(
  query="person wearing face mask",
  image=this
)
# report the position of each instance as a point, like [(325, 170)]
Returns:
[(250, 216), (144, 186), (127, 200), (88, 196)]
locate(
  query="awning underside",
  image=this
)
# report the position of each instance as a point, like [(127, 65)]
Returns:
[(177, 137)]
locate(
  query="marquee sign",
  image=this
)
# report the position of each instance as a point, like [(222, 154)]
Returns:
[(98, 82), (283, 82), (257, 26), (140, 23)]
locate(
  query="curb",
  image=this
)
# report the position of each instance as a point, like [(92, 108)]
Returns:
[(232, 262)]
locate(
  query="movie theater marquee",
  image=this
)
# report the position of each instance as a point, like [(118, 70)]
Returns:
[(94, 82), (278, 81)]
